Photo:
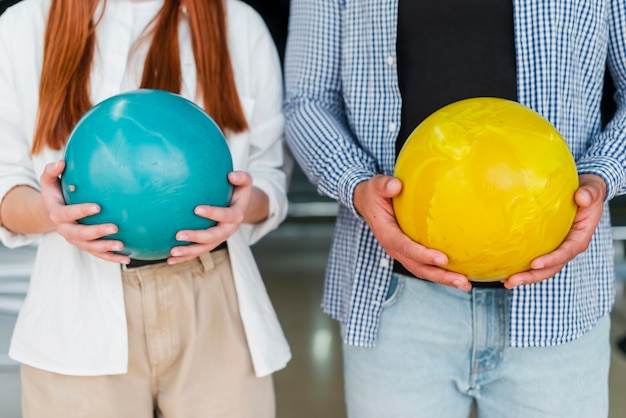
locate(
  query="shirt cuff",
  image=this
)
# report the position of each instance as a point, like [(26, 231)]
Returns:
[(347, 184), (609, 169)]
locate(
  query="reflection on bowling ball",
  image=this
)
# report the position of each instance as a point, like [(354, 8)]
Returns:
[(490, 183), (148, 158)]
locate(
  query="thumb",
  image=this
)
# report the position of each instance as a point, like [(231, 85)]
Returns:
[(51, 172), (584, 196), (55, 169), (592, 189), (390, 186)]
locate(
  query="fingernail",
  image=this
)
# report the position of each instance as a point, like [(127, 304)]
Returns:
[(459, 284), (586, 194), (110, 230), (395, 185), (182, 237), (439, 260)]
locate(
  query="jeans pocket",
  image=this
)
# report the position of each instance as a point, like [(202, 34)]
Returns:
[(393, 293)]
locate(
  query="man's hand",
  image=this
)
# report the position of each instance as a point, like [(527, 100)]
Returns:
[(590, 200), (372, 199)]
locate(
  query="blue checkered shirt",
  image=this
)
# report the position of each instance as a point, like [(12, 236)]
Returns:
[(343, 113)]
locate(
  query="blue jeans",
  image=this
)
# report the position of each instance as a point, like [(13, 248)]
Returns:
[(439, 349)]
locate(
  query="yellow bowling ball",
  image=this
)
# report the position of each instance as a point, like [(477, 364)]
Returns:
[(490, 183)]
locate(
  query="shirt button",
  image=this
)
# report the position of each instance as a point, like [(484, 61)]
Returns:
[(390, 60), (392, 127), (384, 262)]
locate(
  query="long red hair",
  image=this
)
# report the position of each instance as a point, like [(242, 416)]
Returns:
[(68, 54)]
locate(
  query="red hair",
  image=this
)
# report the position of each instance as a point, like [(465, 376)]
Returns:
[(68, 54)]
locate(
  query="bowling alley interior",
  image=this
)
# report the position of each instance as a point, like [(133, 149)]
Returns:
[(292, 261)]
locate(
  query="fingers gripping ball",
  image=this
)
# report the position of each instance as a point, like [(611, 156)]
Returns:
[(148, 158), (490, 183)]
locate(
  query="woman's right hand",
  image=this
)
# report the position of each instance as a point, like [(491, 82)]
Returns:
[(372, 199), (65, 219)]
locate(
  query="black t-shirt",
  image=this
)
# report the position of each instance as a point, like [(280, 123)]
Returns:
[(450, 50)]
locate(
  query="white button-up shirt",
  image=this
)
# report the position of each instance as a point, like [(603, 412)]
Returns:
[(73, 319)]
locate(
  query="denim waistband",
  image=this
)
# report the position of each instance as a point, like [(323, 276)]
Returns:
[(400, 269)]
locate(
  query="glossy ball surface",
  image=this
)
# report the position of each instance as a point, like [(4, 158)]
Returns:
[(490, 183), (148, 158)]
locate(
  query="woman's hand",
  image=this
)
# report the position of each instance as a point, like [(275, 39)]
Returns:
[(65, 219), (372, 199), (228, 220), (590, 200)]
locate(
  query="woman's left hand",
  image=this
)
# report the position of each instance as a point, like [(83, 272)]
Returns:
[(228, 220)]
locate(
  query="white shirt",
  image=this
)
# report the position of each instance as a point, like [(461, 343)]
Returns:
[(73, 319)]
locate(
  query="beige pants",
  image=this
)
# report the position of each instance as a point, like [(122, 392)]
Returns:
[(188, 355)]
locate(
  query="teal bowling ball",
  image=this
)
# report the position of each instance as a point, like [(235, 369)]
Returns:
[(148, 158)]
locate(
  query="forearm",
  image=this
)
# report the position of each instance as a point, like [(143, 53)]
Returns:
[(258, 208), (22, 211), (317, 129)]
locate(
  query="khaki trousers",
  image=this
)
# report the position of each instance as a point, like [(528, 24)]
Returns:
[(188, 355)]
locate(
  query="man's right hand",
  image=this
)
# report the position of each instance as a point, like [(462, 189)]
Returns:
[(372, 199)]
